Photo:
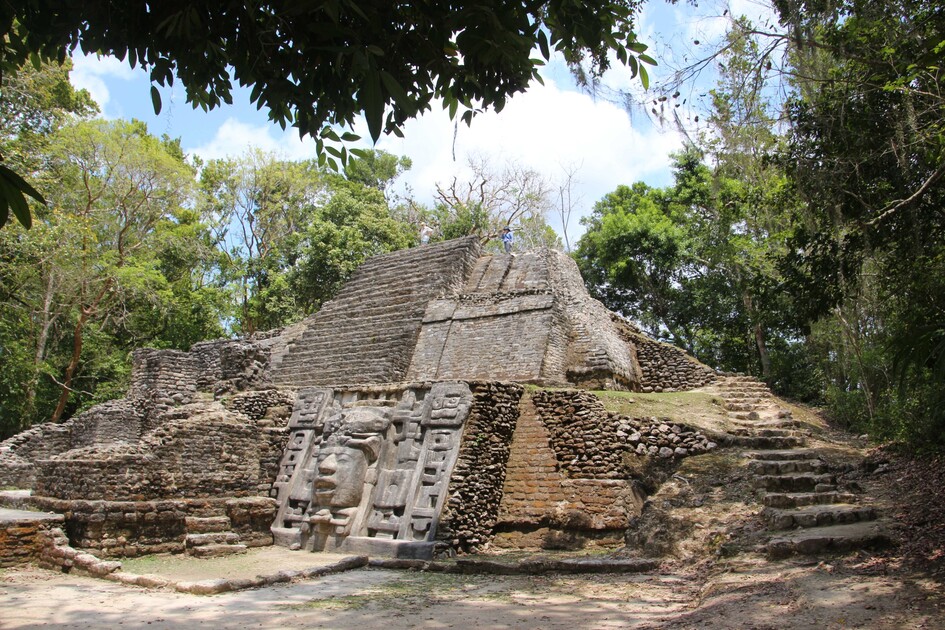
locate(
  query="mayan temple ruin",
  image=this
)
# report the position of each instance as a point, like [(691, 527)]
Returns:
[(439, 402)]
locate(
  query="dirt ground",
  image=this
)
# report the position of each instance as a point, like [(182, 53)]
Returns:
[(745, 592)]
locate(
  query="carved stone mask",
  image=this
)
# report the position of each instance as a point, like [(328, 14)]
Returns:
[(351, 445), (340, 479)]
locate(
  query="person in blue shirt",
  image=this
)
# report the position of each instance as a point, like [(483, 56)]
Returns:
[(507, 239)]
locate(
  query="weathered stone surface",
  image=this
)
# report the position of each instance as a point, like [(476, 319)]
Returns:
[(310, 436), (370, 462)]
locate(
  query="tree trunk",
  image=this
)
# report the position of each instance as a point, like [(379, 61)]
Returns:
[(70, 369), (40, 351), (759, 334), (762, 351)]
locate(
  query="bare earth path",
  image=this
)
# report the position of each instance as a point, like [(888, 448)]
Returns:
[(743, 593)]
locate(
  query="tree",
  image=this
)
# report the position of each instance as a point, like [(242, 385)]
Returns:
[(491, 199), (258, 205), (353, 225), (115, 184), (378, 170), (289, 233), (108, 266), (34, 102), (316, 67), (866, 155)]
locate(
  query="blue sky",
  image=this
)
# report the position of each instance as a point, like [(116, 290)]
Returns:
[(548, 128)]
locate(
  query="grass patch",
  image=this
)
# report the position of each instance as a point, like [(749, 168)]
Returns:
[(661, 405), (697, 409)]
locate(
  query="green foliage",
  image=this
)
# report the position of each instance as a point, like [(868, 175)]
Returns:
[(353, 226), (288, 234), (110, 265), (866, 155), (319, 66), (691, 264), (34, 102)]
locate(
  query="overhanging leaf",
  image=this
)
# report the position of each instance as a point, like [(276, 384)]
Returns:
[(369, 98), (156, 100)]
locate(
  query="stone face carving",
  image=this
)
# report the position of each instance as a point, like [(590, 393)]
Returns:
[(362, 471)]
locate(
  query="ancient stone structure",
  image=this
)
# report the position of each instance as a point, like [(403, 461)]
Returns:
[(391, 422)]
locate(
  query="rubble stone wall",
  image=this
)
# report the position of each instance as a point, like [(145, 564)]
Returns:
[(475, 488), (591, 442), (545, 507), (665, 368)]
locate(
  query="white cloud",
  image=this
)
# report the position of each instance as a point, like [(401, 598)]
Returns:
[(234, 138), (91, 72), (546, 129)]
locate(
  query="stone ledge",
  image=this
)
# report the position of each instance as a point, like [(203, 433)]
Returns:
[(537, 565), (223, 585)]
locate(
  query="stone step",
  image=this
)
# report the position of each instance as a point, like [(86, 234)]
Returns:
[(785, 455), (211, 538), (340, 356), (757, 397), (781, 467), (801, 499), (744, 387), (769, 424), (818, 515), (367, 311), (796, 482), (762, 442), (836, 538), (765, 432), (215, 551), (207, 524), (352, 326)]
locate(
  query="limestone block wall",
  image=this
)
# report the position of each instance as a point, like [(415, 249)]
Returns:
[(475, 488), (164, 378), (598, 355), (18, 453), (112, 529), (23, 540), (504, 336), (367, 333), (121, 420), (229, 365), (168, 378), (568, 483), (270, 409), (198, 450), (665, 368), (525, 318)]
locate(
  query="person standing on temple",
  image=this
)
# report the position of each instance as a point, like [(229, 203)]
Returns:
[(507, 239), (425, 233)]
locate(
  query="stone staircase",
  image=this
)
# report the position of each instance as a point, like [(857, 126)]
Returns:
[(367, 333), (806, 508), (211, 537)]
